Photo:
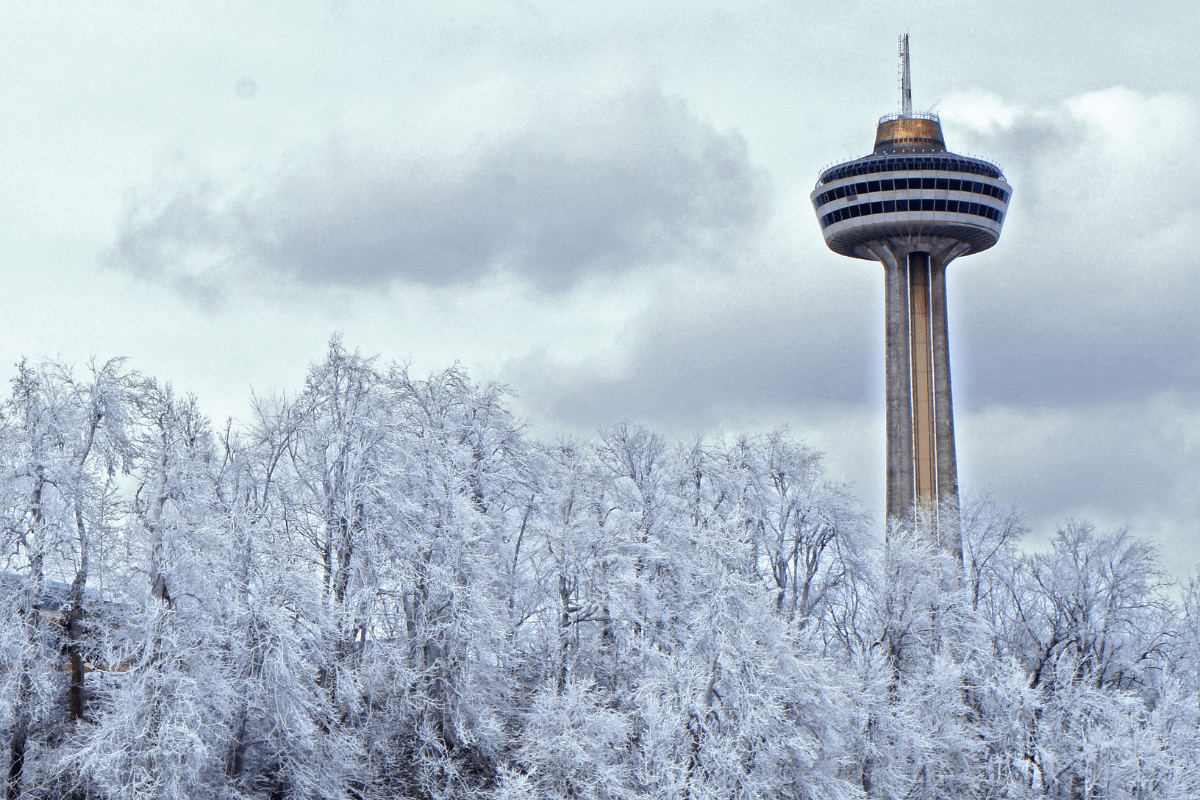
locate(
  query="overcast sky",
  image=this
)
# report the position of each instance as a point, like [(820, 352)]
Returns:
[(605, 206)]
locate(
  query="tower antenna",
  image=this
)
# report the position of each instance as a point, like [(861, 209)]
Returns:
[(905, 78)]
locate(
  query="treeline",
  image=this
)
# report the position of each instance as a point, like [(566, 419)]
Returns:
[(381, 587)]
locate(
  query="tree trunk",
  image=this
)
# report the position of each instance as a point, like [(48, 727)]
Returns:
[(158, 581), (29, 609), (564, 631), (16, 764), (74, 623)]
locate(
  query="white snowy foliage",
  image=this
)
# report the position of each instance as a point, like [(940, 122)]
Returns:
[(381, 587)]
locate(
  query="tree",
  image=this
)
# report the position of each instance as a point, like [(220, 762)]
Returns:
[(66, 440), (168, 702)]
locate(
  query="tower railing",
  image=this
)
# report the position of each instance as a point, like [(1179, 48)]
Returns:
[(930, 115)]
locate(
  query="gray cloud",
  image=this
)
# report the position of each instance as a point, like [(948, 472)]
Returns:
[(775, 338), (1090, 295), (1017, 360), (1133, 463), (623, 184)]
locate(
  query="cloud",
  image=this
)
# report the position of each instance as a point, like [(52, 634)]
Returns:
[(750, 351), (787, 330), (1133, 462), (607, 186), (1090, 295)]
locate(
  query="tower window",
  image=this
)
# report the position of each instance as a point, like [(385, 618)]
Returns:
[(943, 183), (887, 186)]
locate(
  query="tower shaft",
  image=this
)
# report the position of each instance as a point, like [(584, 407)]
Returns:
[(922, 470)]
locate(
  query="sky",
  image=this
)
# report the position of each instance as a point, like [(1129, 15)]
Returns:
[(605, 207)]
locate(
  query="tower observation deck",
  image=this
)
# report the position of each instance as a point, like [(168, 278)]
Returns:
[(914, 207)]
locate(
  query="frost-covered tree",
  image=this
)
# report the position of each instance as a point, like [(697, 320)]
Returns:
[(167, 703), (65, 443), (380, 586)]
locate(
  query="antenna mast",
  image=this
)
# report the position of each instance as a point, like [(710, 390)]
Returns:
[(905, 78)]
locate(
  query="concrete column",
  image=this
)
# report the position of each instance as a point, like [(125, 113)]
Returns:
[(900, 490), (950, 525)]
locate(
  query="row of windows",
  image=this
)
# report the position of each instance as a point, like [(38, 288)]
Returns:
[(951, 184), (911, 164), (888, 206), (910, 139)]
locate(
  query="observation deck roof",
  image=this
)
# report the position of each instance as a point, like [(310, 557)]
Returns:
[(910, 160)]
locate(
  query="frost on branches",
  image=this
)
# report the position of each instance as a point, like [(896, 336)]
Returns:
[(382, 587)]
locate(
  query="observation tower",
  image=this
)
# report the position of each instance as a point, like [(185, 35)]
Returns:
[(914, 207)]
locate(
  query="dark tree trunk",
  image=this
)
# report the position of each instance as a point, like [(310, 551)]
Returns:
[(16, 764), (74, 624), (33, 592)]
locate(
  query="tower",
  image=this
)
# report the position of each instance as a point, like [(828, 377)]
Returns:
[(914, 207)]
